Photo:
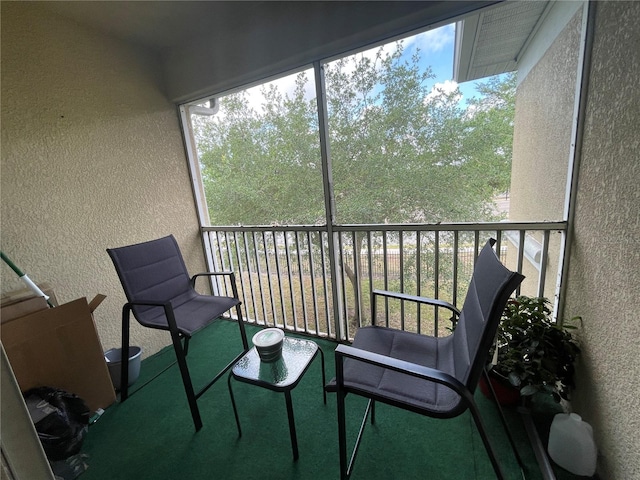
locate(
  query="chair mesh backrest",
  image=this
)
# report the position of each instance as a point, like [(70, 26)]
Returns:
[(153, 271), (490, 287)]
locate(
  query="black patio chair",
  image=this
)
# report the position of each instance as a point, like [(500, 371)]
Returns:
[(432, 376), (162, 296)]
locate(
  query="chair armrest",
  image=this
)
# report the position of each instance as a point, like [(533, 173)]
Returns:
[(210, 274), (416, 299), (167, 306), (230, 274), (401, 366)]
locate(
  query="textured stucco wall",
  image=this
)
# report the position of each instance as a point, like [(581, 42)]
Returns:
[(542, 140), (604, 277), (542, 134), (92, 157)]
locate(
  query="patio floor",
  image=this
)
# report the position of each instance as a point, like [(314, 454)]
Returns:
[(151, 435)]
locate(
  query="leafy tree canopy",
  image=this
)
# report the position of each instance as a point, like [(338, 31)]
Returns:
[(400, 152)]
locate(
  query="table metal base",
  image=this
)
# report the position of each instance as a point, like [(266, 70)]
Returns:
[(282, 375)]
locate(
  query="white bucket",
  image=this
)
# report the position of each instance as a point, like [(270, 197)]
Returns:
[(113, 357), (571, 444)]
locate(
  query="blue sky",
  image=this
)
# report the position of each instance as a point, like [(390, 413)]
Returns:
[(436, 48)]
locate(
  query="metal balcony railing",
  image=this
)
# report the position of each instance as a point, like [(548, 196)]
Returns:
[(309, 280)]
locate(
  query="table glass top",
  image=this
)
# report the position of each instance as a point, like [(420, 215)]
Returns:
[(296, 356)]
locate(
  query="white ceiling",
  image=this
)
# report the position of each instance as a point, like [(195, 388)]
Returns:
[(490, 41), (160, 24), (294, 33)]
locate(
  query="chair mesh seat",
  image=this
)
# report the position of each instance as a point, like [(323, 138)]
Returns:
[(419, 349), (194, 314)]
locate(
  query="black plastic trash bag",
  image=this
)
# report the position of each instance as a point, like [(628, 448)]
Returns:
[(61, 420)]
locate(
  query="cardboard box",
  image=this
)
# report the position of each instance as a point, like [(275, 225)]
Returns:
[(19, 303), (59, 347), (20, 309)]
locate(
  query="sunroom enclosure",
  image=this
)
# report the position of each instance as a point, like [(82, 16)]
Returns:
[(93, 156), (316, 277)]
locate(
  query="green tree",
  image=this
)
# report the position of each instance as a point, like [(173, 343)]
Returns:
[(262, 167), (487, 143), (400, 151)]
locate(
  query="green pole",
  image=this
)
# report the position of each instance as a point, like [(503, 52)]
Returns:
[(8, 261), (23, 276)]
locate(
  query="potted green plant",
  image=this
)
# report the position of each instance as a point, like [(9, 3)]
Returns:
[(534, 353)]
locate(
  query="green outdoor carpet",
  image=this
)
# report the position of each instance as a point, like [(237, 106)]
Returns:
[(151, 435)]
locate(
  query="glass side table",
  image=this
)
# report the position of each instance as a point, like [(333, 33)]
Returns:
[(280, 376)]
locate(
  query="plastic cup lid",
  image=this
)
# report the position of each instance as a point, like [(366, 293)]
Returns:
[(268, 337)]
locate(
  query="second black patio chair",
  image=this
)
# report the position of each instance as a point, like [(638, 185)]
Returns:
[(432, 376), (162, 296)]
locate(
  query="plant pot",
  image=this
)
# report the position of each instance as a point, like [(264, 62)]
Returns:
[(507, 394)]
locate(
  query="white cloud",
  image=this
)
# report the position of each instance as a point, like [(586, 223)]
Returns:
[(447, 87)]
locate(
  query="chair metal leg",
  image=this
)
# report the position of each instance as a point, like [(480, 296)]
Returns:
[(292, 424), (485, 440), (324, 381), (342, 431), (186, 346), (342, 437), (186, 380), (243, 334), (347, 467), (124, 360), (373, 412), (503, 420), (233, 404)]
